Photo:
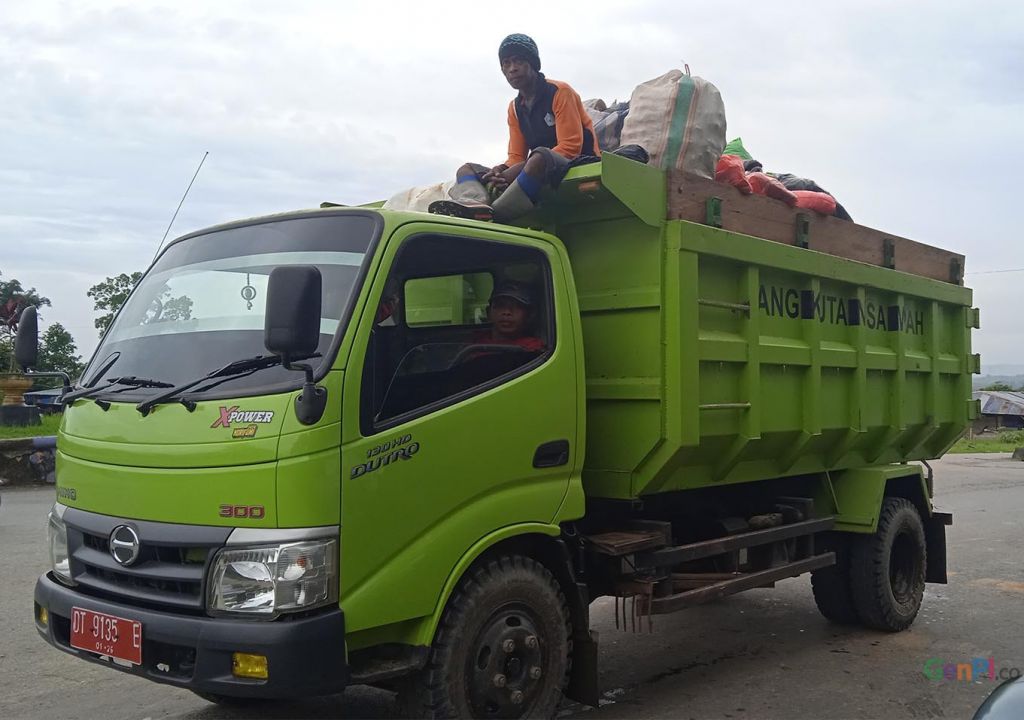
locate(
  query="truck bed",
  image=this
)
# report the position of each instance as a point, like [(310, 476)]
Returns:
[(720, 348)]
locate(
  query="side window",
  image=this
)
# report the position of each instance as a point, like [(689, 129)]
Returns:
[(457, 316)]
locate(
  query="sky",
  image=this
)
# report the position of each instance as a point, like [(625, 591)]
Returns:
[(909, 113)]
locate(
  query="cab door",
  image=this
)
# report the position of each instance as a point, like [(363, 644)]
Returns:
[(452, 429)]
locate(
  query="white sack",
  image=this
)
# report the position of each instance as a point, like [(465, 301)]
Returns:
[(418, 199)]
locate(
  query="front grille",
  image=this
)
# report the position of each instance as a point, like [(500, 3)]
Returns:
[(164, 575), (170, 569), (96, 542)]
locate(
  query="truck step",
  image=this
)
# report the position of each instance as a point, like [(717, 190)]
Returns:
[(669, 556), (739, 583)]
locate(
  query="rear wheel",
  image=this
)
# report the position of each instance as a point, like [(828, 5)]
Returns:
[(887, 568), (501, 649), (832, 592)]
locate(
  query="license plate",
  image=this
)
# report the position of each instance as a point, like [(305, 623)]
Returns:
[(107, 635)]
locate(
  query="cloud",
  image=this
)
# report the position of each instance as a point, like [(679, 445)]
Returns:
[(908, 112)]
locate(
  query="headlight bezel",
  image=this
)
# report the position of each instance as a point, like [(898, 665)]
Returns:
[(57, 541), (271, 562)]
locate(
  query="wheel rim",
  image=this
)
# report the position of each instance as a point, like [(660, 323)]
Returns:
[(507, 664), (904, 568)]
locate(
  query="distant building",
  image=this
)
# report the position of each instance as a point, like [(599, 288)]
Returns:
[(999, 409)]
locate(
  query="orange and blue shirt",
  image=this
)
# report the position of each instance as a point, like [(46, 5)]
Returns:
[(557, 120)]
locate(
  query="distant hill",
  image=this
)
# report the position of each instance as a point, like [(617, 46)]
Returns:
[(1001, 370), (1014, 381)]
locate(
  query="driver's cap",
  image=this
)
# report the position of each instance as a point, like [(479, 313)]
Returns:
[(517, 291)]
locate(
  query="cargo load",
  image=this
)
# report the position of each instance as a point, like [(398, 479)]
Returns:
[(680, 120)]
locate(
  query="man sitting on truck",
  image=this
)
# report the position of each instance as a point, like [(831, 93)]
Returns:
[(548, 129)]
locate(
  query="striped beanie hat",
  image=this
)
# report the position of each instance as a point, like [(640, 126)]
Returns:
[(521, 45)]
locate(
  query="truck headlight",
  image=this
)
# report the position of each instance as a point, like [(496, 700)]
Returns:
[(57, 534), (268, 580)]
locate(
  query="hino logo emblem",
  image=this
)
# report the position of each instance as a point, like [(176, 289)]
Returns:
[(124, 545)]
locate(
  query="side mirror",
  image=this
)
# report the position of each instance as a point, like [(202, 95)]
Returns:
[(26, 344), (292, 325), (292, 329)]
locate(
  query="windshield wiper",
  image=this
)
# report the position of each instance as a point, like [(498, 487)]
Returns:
[(103, 369), (238, 367), (129, 380)]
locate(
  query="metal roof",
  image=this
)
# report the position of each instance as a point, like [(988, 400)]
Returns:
[(998, 402)]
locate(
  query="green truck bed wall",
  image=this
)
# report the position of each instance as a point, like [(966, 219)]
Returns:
[(714, 357)]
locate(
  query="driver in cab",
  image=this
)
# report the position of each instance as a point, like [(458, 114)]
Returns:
[(511, 312)]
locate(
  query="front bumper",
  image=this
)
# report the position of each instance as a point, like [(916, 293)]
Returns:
[(305, 656)]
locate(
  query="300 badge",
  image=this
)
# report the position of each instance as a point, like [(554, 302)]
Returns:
[(249, 512)]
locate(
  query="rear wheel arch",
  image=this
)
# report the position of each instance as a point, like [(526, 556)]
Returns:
[(912, 487)]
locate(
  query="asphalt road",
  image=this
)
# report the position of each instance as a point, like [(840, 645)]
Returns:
[(762, 654)]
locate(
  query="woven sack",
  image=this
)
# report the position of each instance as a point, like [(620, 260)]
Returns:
[(680, 121)]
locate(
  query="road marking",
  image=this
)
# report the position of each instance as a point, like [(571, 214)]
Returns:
[(1006, 585)]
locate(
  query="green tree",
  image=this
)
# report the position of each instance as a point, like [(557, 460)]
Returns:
[(179, 308), (57, 352), (998, 386), (109, 295), (14, 298)]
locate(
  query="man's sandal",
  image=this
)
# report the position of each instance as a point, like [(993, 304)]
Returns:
[(460, 210)]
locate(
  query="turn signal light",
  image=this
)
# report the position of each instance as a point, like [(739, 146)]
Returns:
[(244, 665)]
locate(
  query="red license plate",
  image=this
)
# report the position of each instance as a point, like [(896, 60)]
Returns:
[(107, 635)]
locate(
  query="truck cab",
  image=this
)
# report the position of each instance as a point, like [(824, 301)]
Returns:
[(220, 525)]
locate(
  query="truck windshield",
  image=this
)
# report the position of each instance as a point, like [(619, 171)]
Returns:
[(202, 304)]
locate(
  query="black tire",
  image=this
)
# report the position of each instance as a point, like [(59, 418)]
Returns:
[(511, 602), (832, 592), (887, 568)]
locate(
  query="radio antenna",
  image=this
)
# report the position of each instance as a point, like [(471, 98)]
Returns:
[(173, 217)]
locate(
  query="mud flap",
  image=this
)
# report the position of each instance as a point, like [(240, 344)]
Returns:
[(935, 536), (583, 684)]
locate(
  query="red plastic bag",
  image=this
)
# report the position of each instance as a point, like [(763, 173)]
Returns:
[(764, 184), (730, 171), (816, 201)]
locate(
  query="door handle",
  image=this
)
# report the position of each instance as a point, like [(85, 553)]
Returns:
[(552, 454)]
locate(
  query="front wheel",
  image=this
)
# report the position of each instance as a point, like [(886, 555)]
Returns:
[(502, 647), (887, 568)]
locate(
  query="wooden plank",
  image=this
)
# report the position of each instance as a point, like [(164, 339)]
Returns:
[(718, 546), (618, 543), (653, 526), (689, 598), (769, 219)]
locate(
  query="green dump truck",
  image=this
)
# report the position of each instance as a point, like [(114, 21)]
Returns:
[(298, 460)]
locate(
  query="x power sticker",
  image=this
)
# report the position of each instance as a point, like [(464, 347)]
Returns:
[(248, 418)]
